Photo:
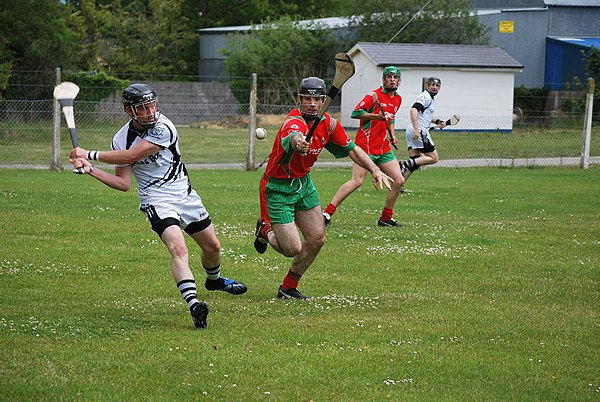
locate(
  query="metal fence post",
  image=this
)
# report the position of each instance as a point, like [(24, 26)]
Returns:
[(250, 163), (587, 125), (55, 162)]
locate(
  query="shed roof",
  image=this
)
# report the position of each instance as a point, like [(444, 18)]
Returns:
[(435, 55)]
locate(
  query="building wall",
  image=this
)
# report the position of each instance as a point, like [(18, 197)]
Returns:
[(574, 21), (527, 43), (211, 59), (483, 98)]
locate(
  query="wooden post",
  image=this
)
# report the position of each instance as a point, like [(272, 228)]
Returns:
[(250, 162), (587, 125), (55, 161)]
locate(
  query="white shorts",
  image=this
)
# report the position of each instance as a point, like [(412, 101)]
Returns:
[(186, 211), (423, 141)]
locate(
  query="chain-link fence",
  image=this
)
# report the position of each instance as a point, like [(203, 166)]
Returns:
[(214, 131)]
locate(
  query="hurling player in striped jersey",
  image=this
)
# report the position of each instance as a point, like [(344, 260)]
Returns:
[(421, 148), (147, 147)]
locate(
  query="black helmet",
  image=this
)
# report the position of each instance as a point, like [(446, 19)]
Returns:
[(140, 97), (312, 86), (138, 93), (434, 80)]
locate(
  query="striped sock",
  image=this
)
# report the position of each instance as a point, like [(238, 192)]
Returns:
[(213, 273), (291, 280), (187, 288)]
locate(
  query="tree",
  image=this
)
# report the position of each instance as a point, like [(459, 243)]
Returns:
[(282, 53), (37, 36), (441, 21), (144, 38), (219, 13)]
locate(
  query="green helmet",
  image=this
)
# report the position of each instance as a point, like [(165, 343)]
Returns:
[(392, 70)]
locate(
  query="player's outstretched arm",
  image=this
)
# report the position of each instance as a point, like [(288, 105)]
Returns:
[(121, 180)]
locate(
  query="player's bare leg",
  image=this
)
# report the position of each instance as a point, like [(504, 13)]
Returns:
[(173, 238), (311, 225), (285, 239), (392, 169), (357, 179)]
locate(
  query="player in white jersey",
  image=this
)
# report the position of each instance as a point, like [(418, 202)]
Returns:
[(148, 147), (421, 149)]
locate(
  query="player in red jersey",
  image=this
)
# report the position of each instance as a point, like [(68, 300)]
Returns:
[(288, 198), (376, 111)]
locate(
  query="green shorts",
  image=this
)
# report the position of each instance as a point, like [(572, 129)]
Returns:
[(285, 196), (383, 158)]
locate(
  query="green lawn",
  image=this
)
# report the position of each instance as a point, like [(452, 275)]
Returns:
[(490, 292), (28, 144)]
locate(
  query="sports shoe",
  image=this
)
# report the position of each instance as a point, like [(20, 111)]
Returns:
[(260, 243), (199, 314), (388, 222), (402, 167), (290, 293), (326, 218), (226, 285)]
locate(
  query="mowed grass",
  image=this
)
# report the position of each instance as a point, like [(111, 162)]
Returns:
[(29, 144), (490, 292)]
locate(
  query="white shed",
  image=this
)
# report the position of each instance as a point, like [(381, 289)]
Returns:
[(477, 81)]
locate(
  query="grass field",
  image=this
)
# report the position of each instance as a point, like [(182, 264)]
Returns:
[(31, 145), (490, 292)]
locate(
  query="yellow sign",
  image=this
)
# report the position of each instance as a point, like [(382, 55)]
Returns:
[(506, 26)]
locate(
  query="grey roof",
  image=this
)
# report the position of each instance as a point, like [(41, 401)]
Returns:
[(434, 55)]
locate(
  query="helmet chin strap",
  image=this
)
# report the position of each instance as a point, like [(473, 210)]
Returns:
[(309, 117)]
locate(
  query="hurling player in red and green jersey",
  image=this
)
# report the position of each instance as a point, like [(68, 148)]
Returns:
[(288, 198), (376, 112)]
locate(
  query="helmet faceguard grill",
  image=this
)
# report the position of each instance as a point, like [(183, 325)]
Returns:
[(139, 98), (313, 87)]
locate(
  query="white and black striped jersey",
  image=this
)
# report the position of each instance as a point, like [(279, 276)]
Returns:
[(160, 177), (426, 111)]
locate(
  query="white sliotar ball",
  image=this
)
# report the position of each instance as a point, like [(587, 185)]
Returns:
[(260, 133)]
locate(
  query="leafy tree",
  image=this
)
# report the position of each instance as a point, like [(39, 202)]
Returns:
[(281, 53), (145, 38), (218, 13), (592, 69), (592, 64), (441, 21), (37, 36), (97, 86)]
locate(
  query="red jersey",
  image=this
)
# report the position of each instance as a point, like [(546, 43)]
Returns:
[(372, 135), (285, 163)]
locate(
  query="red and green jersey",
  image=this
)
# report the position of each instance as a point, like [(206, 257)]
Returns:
[(285, 163), (372, 134)]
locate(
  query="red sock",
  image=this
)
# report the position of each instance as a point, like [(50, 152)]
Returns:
[(291, 280), (330, 209), (387, 214), (264, 232)]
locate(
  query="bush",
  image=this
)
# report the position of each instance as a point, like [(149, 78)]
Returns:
[(532, 102)]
